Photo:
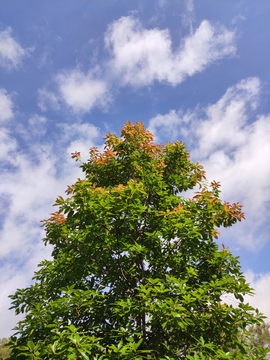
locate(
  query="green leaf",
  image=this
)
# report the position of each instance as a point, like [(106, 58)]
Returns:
[(30, 345), (72, 356), (23, 348), (83, 354)]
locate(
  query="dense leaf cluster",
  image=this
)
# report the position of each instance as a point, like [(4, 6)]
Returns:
[(4, 349), (136, 272)]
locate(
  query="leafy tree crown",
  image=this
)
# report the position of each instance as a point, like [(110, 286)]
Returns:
[(136, 272)]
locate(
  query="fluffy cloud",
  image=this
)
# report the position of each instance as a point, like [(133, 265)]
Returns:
[(138, 57), (27, 192), (6, 106), (261, 284), (169, 125), (233, 149), (82, 92), (81, 138), (141, 56), (226, 121), (78, 91), (216, 125), (30, 183), (11, 52)]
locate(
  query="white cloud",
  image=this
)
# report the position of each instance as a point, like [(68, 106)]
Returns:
[(48, 98), (189, 5), (261, 284), (33, 183), (141, 56), (76, 90), (188, 16), (27, 193), (138, 57), (226, 121), (45, 59), (82, 137), (82, 92), (6, 106), (233, 148), (11, 52), (246, 171), (12, 280), (237, 18), (7, 144), (37, 125), (29, 186), (36, 120), (169, 124)]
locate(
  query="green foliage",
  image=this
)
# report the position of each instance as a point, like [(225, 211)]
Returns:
[(4, 349), (136, 272), (260, 335), (258, 338)]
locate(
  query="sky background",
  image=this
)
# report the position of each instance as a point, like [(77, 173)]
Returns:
[(73, 70)]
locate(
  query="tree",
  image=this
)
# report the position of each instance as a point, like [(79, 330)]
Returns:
[(136, 272), (260, 334), (258, 337), (4, 349)]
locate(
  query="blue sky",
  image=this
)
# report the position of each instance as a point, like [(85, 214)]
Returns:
[(71, 71)]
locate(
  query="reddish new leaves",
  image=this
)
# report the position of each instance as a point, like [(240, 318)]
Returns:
[(55, 218)]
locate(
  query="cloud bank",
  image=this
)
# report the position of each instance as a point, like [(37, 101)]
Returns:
[(141, 56), (261, 284), (233, 148), (138, 57), (30, 181)]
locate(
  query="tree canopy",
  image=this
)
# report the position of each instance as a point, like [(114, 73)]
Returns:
[(135, 271), (4, 349), (260, 334)]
